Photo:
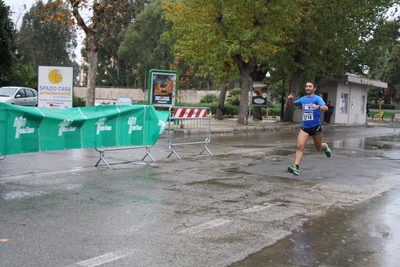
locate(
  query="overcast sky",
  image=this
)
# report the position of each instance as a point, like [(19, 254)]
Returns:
[(19, 7)]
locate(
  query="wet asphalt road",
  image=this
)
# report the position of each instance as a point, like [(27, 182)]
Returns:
[(239, 207), (365, 235)]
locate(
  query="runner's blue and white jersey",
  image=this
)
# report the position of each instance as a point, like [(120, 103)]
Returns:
[(311, 116)]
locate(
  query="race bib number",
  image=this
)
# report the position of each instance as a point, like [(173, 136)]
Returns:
[(308, 116)]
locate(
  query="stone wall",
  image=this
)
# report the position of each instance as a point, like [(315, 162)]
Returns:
[(110, 94)]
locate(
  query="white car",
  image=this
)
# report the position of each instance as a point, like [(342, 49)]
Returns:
[(17, 95)]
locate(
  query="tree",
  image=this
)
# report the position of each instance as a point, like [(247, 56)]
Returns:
[(7, 43), (96, 18), (43, 43), (303, 39), (384, 60), (104, 15), (25, 75), (225, 38), (324, 38), (112, 68), (142, 47)]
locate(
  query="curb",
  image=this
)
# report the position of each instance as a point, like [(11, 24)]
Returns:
[(230, 126)]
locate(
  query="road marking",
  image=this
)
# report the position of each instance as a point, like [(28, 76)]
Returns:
[(20, 194), (257, 208), (201, 227), (106, 258)]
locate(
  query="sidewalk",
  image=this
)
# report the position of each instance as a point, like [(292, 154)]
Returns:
[(271, 125), (231, 126)]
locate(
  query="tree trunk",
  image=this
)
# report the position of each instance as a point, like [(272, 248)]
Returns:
[(244, 97), (257, 114), (283, 97), (245, 69), (92, 54), (221, 104), (294, 89), (389, 94)]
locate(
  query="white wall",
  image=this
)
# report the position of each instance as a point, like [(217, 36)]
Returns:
[(110, 94), (356, 112)]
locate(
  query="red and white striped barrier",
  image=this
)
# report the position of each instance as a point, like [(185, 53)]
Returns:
[(190, 113), (189, 126)]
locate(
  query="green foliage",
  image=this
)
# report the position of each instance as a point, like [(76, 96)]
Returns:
[(384, 58), (7, 44), (114, 70), (225, 39), (229, 109), (24, 75), (385, 115), (233, 110), (383, 106), (78, 102), (45, 43), (234, 97), (209, 98), (382, 52), (218, 36), (141, 102), (274, 111), (323, 38), (142, 46), (317, 43)]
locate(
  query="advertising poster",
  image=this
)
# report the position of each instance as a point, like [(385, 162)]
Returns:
[(55, 87), (259, 95), (162, 87), (27, 129)]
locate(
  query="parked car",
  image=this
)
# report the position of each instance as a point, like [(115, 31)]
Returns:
[(17, 95)]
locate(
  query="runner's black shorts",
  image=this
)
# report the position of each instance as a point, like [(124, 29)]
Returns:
[(313, 130)]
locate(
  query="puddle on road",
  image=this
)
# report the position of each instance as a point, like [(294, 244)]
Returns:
[(384, 147), (365, 235), (284, 145), (370, 143)]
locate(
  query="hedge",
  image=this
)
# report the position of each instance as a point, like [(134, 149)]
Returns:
[(384, 106), (230, 109)]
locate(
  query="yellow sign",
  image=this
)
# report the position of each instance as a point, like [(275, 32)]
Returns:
[(55, 76)]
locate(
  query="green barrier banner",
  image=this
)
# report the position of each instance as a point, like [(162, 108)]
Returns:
[(32, 129)]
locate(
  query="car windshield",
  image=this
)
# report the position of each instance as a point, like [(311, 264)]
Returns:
[(7, 91)]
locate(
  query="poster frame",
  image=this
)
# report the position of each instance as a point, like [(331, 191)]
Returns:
[(164, 99)]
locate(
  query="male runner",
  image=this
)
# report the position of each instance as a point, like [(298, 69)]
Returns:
[(311, 124)]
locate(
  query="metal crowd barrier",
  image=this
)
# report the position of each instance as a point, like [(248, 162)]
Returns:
[(103, 150), (189, 126), (396, 124)]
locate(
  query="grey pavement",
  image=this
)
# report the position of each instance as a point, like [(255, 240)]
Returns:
[(58, 209)]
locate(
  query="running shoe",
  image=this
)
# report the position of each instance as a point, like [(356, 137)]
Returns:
[(293, 169), (328, 152)]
